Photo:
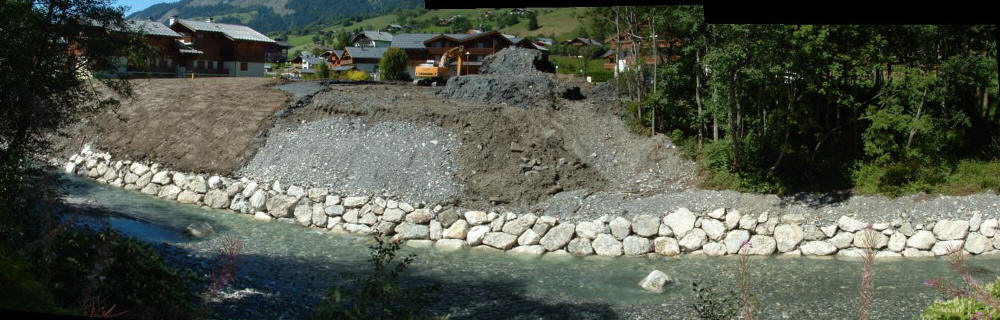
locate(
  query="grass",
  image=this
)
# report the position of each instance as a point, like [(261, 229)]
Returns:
[(552, 21), (571, 65), (962, 178), (560, 22)]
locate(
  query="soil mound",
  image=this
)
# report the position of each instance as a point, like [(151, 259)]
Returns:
[(514, 77), (513, 60)]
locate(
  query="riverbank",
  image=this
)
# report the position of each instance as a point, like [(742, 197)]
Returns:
[(286, 270), (716, 232)]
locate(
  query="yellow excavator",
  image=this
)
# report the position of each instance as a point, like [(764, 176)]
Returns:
[(431, 74)]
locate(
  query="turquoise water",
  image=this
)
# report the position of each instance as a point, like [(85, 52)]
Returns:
[(479, 284)]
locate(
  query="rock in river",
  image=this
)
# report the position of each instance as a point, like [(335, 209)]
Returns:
[(655, 281)]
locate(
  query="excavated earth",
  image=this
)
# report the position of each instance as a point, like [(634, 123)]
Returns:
[(195, 125), (502, 155)]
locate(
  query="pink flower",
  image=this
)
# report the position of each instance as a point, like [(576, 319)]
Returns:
[(746, 243), (931, 282), (869, 227)]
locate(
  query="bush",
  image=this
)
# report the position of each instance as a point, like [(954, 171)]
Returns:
[(964, 307), (714, 305), (105, 265), (356, 75), (379, 295), (393, 65)]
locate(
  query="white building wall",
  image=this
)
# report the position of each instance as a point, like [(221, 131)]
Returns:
[(254, 69)]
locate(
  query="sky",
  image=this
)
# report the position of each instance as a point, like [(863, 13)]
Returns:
[(138, 5)]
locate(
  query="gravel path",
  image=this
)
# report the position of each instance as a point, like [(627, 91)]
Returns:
[(820, 209), (352, 157)]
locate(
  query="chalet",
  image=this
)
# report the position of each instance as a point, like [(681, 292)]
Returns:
[(333, 57), (580, 41), (169, 52), (421, 47), (625, 57), (226, 49), (277, 52), (363, 58), (373, 39), (394, 27), (312, 62)]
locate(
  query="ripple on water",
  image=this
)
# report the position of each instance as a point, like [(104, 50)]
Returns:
[(296, 261)]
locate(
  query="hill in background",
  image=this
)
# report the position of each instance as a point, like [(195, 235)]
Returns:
[(274, 15)]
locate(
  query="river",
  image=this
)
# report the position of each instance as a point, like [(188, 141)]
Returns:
[(287, 268)]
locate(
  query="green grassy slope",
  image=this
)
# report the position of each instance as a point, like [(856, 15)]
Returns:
[(561, 22)]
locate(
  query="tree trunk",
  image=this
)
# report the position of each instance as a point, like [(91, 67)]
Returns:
[(734, 120), (913, 128), (697, 95)]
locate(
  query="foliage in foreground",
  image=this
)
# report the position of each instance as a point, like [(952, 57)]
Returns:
[(711, 304), (972, 300), (122, 272), (789, 108), (379, 294)]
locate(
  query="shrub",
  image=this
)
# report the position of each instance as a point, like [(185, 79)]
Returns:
[(393, 65), (715, 305), (379, 295), (972, 301), (356, 75), (121, 272)]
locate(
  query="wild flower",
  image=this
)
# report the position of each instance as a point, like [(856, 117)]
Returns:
[(868, 260), (226, 264), (972, 288), (746, 284)]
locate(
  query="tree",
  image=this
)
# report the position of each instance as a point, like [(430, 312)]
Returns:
[(532, 21), (58, 59), (323, 71), (393, 65), (460, 24)]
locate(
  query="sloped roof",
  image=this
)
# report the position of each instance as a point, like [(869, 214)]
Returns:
[(152, 28), (411, 40), (374, 35), (365, 52), (231, 31), (314, 60)]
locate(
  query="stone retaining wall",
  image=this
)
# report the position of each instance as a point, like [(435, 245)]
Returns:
[(718, 232)]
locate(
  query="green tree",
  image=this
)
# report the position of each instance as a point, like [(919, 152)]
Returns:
[(532, 21), (323, 71), (392, 66), (51, 49), (460, 24)]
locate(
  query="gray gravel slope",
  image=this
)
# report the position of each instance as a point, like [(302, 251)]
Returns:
[(352, 157)]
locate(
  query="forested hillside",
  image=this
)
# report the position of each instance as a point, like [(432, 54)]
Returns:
[(275, 15), (777, 108)]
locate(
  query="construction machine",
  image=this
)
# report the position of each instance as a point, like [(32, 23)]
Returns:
[(430, 74)]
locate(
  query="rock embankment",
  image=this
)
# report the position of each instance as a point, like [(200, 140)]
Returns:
[(717, 232)]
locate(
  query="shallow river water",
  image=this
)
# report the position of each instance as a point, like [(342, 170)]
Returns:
[(293, 267)]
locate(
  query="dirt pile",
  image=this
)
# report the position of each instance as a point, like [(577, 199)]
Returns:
[(515, 77), (513, 60), (199, 125)]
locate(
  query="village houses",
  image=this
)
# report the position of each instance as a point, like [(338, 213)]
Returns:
[(205, 48)]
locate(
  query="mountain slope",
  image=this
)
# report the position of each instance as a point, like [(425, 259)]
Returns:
[(273, 15)]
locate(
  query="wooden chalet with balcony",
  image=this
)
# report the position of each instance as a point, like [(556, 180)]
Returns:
[(421, 47), (225, 49)]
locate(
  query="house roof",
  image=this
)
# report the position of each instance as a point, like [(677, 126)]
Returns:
[(231, 31), (411, 40), (417, 40), (365, 52), (342, 68), (152, 28), (313, 60), (186, 49), (374, 35)]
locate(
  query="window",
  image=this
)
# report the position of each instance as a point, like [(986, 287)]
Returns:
[(480, 45), (201, 64), (243, 66)]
